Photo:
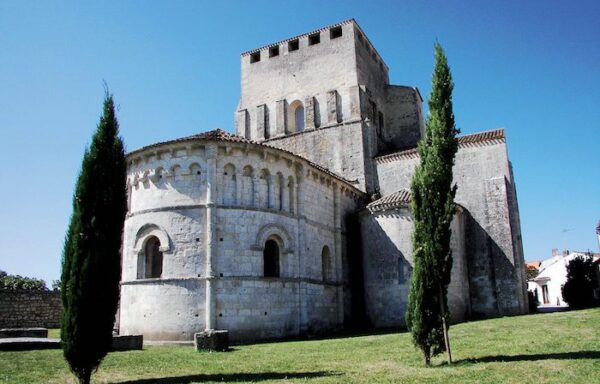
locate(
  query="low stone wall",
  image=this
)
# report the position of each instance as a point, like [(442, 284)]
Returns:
[(19, 309)]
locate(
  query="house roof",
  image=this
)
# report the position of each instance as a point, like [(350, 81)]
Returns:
[(223, 136), (397, 199), (533, 264), (494, 136)]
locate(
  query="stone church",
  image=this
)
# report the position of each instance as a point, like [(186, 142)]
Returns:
[(299, 223)]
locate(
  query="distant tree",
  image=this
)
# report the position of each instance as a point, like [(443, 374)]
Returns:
[(18, 282), (578, 290), (433, 208), (91, 255), (531, 273)]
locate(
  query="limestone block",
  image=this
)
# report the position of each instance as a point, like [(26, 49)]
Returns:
[(280, 117), (127, 343), (23, 332), (212, 340), (243, 123), (261, 120), (309, 112), (355, 102), (332, 107)]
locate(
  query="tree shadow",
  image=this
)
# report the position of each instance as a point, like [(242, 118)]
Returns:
[(577, 355), (232, 377)]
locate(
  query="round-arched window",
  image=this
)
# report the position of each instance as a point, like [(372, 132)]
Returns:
[(154, 258), (271, 259), (296, 117), (299, 118)]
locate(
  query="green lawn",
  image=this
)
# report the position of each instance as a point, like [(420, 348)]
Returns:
[(545, 348)]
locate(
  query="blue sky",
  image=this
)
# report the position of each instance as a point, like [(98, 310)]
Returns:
[(530, 67)]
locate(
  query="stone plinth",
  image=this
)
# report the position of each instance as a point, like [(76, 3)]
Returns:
[(23, 332), (28, 343), (212, 340), (127, 343)]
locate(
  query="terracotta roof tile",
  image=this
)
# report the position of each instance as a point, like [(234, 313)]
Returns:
[(218, 135), (397, 199), (221, 135), (533, 264), (495, 136)]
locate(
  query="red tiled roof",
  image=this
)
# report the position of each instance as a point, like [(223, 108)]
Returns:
[(488, 137), (533, 264), (219, 135)]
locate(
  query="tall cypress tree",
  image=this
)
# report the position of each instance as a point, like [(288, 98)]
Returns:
[(91, 255), (433, 208)]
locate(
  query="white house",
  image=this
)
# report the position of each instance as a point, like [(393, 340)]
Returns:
[(547, 285)]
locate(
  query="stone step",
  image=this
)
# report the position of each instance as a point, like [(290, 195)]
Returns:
[(23, 332), (28, 343)]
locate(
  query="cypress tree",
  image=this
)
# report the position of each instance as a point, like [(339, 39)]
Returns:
[(432, 204), (91, 266)]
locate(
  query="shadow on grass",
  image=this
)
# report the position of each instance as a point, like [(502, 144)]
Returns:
[(542, 356), (232, 377)]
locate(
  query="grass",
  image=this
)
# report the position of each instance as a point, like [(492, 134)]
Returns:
[(545, 348), (54, 333)]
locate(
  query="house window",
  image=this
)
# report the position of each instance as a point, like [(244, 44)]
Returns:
[(154, 259), (271, 259), (293, 45), (545, 294), (335, 32), (274, 51), (254, 57), (314, 39)]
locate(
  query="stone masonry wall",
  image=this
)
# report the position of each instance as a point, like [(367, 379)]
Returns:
[(213, 206), (482, 174), (269, 86), (388, 264), (338, 148), (20, 309), (404, 124)]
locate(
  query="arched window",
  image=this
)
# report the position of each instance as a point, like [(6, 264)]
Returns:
[(264, 189), (296, 117), (326, 265), (280, 192), (291, 195), (248, 186), (271, 259), (154, 258), (229, 185), (299, 117)]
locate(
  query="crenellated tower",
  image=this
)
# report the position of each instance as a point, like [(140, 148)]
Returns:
[(325, 95)]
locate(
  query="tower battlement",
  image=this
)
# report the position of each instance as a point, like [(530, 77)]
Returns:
[(331, 77), (315, 71)]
